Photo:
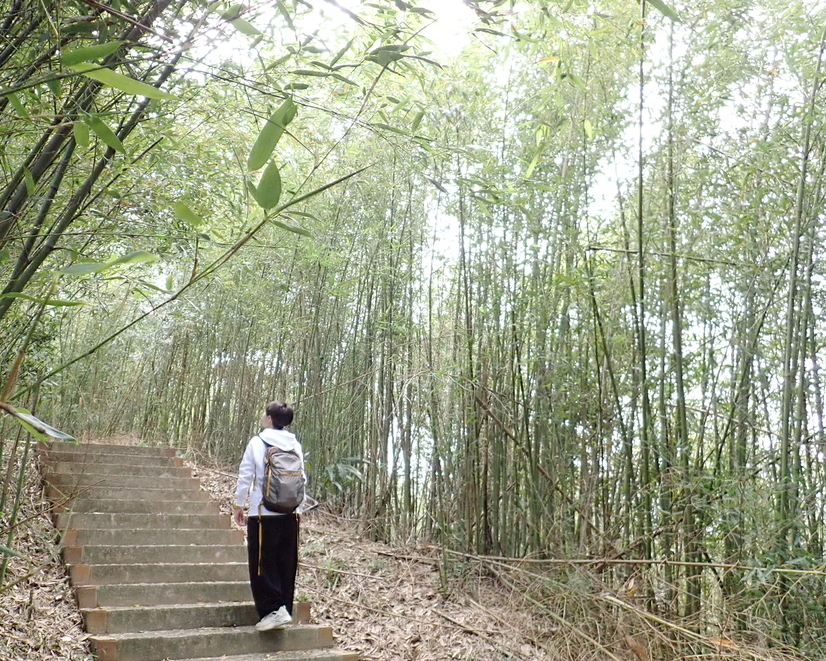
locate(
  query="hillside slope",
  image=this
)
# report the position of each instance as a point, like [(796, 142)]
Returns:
[(384, 602), (390, 603)]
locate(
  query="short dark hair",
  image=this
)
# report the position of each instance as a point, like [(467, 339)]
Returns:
[(280, 413)]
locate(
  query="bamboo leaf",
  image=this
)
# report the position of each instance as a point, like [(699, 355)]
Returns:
[(84, 268), (136, 257), (81, 133), (30, 185), (119, 81), (387, 127), (55, 86), (310, 72), (187, 215), (417, 119), (290, 227), (270, 135), (286, 14), (34, 424), (101, 130), (344, 79), (98, 51), (17, 104), (437, 184), (268, 191), (532, 165), (40, 301), (665, 10), (341, 53), (589, 129), (245, 27)]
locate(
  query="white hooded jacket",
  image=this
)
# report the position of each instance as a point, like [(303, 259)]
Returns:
[(251, 472)]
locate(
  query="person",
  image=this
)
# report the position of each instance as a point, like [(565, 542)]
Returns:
[(272, 538)]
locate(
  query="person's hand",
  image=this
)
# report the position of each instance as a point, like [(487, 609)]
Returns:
[(238, 516)]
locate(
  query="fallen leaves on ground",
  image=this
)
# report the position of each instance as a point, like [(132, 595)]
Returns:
[(386, 603)]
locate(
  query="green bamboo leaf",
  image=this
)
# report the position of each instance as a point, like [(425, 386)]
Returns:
[(286, 14), (41, 301), (417, 119), (341, 53), (99, 51), (17, 104), (665, 9), (187, 215), (278, 62), (30, 185), (245, 27), (589, 129), (387, 127), (270, 135), (119, 81), (232, 13), (268, 191), (296, 86), (310, 72), (384, 57), (344, 79), (290, 227), (136, 257), (101, 130), (84, 268), (81, 133), (34, 424)]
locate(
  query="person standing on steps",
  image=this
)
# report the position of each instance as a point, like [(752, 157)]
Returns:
[(272, 538)]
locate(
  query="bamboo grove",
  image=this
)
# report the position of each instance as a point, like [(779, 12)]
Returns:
[(572, 308)]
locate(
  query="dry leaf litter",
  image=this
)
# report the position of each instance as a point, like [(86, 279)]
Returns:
[(383, 602)]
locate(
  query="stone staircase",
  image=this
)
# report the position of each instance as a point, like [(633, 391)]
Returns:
[(158, 572)]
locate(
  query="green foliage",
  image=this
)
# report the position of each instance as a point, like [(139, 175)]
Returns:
[(542, 330), (270, 135)]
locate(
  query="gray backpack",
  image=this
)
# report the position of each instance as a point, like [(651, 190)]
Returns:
[(283, 479)]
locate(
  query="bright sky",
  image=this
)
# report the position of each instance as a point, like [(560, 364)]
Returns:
[(449, 32)]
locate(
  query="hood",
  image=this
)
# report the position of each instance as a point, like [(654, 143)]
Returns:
[(281, 437)]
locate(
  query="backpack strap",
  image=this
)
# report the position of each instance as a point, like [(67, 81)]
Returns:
[(260, 510)]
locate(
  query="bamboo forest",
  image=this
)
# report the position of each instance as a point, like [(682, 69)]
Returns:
[(543, 279)]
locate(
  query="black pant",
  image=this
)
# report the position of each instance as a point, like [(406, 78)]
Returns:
[(274, 564)]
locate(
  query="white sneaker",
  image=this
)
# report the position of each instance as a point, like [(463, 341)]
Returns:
[(275, 620)]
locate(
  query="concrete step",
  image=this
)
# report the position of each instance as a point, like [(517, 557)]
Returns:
[(153, 555), (61, 456), (161, 594), (178, 616), (181, 615), (151, 536), (80, 482), (98, 469), (157, 573), (139, 506), (134, 521), (106, 449), (198, 643), (306, 655), (56, 495)]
